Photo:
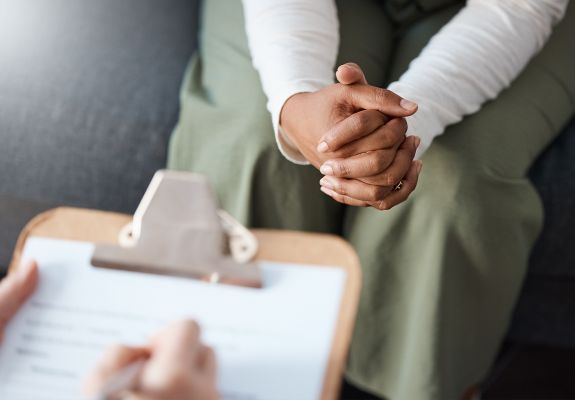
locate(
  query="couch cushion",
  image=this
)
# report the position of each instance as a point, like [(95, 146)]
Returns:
[(545, 310), (89, 96), (553, 175), (544, 313)]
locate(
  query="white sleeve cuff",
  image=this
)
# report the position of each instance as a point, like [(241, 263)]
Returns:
[(427, 121), (419, 125), (288, 149), (425, 139)]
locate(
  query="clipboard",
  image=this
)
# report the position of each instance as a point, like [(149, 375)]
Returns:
[(104, 228)]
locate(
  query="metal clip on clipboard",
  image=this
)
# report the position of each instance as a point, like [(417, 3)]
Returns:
[(178, 230)]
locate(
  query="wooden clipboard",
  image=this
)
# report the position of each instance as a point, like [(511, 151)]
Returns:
[(317, 249)]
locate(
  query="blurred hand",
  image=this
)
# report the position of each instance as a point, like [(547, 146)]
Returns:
[(178, 367), (15, 290)]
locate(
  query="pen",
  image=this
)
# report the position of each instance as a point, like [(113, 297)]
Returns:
[(123, 380)]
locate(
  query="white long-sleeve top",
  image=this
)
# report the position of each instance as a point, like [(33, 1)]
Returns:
[(475, 56)]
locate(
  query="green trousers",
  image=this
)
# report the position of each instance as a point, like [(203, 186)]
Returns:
[(442, 271)]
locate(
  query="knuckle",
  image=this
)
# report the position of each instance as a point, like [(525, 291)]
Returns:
[(406, 157), (402, 122), (330, 136), (342, 91), (361, 120), (396, 137), (387, 179), (345, 200), (385, 137), (344, 169), (372, 165), (342, 200), (381, 205), (402, 125), (375, 193), (395, 143), (380, 95), (389, 206), (381, 193), (412, 151), (175, 381), (399, 125), (355, 123), (375, 116), (337, 197), (382, 162), (337, 87)]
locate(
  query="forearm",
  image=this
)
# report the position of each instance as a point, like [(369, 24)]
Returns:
[(472, 59), (294, 45)]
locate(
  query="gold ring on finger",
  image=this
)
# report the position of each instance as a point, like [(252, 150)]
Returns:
[(398, 186)]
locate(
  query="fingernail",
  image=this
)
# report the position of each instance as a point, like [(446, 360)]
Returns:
[(326, 169), (417, 141), (419, 166), (322, 147), (408, 105), (327, 191), (327, 183)]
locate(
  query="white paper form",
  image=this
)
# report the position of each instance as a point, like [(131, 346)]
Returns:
[(271, 343)]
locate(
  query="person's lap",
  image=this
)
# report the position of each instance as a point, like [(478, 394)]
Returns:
[(441, 271), (475, 216), (225, 132)]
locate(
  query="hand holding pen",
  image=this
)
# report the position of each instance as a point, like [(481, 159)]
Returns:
[(175, 366)]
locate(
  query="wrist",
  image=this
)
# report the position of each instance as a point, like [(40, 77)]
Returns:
[(287, 129), (288, 116)]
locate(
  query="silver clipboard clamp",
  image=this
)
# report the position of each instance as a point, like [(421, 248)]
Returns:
[(178, 230)]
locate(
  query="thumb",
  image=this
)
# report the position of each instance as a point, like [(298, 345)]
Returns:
[(15, 289), (385, 101), (176, 347), (350, 73), (114, 360)]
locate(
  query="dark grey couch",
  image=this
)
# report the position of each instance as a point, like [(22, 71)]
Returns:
[(88, 98)]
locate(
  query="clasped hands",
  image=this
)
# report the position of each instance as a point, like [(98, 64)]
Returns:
[(355, 134)]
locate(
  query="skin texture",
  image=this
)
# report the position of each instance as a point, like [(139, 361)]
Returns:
[(354, 134), (14, 291)]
